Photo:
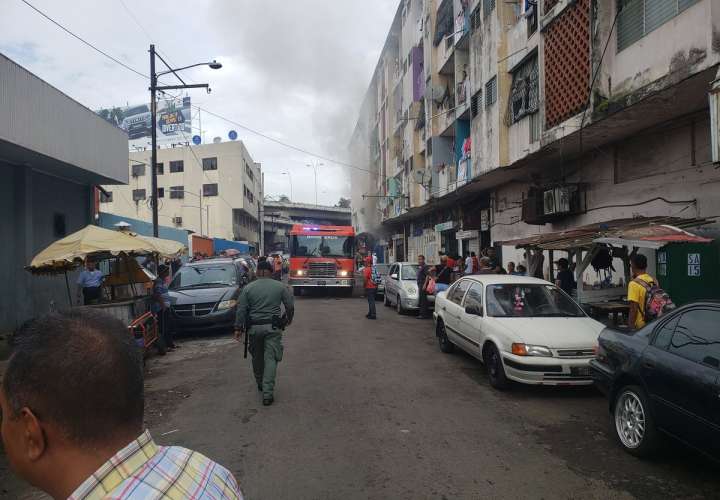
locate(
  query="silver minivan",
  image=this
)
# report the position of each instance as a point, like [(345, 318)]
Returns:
[(401, 288)]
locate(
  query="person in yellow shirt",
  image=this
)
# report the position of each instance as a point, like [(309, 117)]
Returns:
[(637, 293)]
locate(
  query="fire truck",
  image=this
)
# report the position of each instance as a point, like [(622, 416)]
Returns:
[(322, 256)]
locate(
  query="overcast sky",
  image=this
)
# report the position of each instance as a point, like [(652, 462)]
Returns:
[(293, 69)]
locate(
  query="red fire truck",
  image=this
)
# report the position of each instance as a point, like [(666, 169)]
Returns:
[(322, 256)]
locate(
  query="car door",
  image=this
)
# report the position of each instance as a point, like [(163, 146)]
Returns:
[(470, 325), (680, 370), (452, 309), (391, 284)]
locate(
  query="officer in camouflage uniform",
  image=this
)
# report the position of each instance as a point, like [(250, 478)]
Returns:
[(259, 302)]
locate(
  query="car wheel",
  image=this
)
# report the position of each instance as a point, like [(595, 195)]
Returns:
[(386, 300), (445, 345), (634, 425), (495, 369), (398, 306)]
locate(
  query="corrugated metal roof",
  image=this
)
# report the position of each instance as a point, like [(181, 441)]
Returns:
[(642, 228)]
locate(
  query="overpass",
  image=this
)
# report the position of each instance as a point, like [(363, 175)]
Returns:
[(280, 216)]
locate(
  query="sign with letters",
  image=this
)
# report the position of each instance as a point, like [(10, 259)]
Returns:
[(693, 260)]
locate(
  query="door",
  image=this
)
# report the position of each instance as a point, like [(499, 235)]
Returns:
[(680, 370), (391, 284), (452, 310), (470, 325)]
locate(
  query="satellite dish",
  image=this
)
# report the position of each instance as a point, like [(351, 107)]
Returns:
[(418, 176), (217, 140)]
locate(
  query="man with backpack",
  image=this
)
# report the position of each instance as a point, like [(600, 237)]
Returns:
[(647, 300)]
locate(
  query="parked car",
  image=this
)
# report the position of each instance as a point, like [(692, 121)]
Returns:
[(523, 329), (401, 288), (383, 270), (203, 294), (664, 379)]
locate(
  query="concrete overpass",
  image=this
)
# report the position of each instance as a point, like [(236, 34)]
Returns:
[(280, 216)]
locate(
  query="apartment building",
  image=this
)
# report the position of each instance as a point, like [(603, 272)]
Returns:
[(212, 189), (537, 116)]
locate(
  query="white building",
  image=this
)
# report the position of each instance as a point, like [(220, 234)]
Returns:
[(213, 189)]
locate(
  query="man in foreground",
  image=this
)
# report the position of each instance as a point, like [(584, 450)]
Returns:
[(72, 405), (259, 315)]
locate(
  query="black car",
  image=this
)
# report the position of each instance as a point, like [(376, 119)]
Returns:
[(203, 294), (664, 379)]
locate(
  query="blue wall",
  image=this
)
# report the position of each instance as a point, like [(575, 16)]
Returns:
[(220, 244), (143, 228)]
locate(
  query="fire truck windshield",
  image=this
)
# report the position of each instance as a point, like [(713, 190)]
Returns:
[(322, 246)]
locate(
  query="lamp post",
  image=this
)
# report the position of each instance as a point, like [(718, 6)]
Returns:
[(153, 118), (315, 166), (290, 178)]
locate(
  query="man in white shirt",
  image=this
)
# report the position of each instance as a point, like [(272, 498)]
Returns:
[(468, 265)]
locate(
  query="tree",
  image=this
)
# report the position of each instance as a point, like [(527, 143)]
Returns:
[(284, 198), (343, 203)]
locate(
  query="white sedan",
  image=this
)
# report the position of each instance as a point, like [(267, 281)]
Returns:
[(522, 329)]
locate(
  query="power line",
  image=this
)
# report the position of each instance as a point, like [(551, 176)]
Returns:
[(244, 127)]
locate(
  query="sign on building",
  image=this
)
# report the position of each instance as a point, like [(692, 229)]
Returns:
[(693, 260)]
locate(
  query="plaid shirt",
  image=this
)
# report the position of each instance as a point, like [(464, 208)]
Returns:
[(145, 470)]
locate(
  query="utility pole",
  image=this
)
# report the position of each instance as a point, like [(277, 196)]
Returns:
[(153, 120)]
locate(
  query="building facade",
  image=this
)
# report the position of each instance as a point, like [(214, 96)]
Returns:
[(53, 152), (213, 190), (529, 116)]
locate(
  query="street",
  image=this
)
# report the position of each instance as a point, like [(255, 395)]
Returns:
[(374, 410)]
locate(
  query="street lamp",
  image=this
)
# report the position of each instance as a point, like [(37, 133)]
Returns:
[(153, 118), (290, 178), (315, 166)]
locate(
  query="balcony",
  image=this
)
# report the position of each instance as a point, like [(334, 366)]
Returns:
[(446, 56)]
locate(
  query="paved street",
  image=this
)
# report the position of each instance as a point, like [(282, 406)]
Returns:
[(374, 410)]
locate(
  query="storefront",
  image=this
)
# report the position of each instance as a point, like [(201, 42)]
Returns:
[(448, 242)]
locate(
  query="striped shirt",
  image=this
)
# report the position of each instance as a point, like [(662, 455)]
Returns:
[(145, 470)]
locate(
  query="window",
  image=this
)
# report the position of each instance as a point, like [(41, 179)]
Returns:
[(249, 194), (138, 194), (177, 166), (59, 225), (209, 163), (249, 172), (491, 92), (210, 189), (535, 127), (475, 101), (475, 19), (106, 197), (161, 192), (637, 18), (177, 192), (160, 168), (524, 90), (697, 337), (665, 332), (138, 170), (488, 6), (474, 296), (456, 294)]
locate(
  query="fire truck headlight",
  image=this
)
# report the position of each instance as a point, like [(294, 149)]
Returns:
[(343, 274), (299, 272)]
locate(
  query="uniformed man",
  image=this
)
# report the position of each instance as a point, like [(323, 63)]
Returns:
[(258, 304)]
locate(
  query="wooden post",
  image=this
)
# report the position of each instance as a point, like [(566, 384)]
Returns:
[(67, 285)]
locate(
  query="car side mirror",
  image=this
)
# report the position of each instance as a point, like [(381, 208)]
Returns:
[(474, 310), (394, 276)]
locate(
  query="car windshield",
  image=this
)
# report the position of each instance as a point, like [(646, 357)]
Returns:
[(382, 269), (529, 300), (323, 246), (409, 272), (204, 276)]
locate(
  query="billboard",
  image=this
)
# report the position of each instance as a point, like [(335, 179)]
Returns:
[(174, 121)]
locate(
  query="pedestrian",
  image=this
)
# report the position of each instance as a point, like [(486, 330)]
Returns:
[(564, 278), (277, 268), (259, 315), (160, 306), (72, 401), (486, 266), (476, 262), (511, 268), (90, 283), (637, 292), (468, 265), (494, 261), (370, 284), (443, 273), (422, 276), (521, 270)]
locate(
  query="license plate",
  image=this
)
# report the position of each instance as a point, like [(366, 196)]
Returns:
[(321, 283), (580, 371)]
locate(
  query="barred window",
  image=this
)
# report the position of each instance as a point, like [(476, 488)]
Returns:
[(488, 6), (491, 92), (475, 101), (524, 91)]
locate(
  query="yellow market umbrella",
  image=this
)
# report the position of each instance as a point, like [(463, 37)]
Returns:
[(165, 248), (91, 241)]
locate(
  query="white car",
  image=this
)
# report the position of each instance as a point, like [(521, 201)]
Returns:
[(401, 289), (522, 329)]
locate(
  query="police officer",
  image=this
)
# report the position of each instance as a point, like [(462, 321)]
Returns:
[(258, 315)]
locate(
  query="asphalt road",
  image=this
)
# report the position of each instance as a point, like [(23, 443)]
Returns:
[(372, 409)]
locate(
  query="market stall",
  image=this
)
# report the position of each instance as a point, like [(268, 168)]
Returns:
[(601, 246)]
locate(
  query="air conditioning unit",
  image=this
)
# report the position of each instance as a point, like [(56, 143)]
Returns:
[(177, 221), (546, 204)]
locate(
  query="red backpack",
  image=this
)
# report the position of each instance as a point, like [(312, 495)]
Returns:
[(657, 300)]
